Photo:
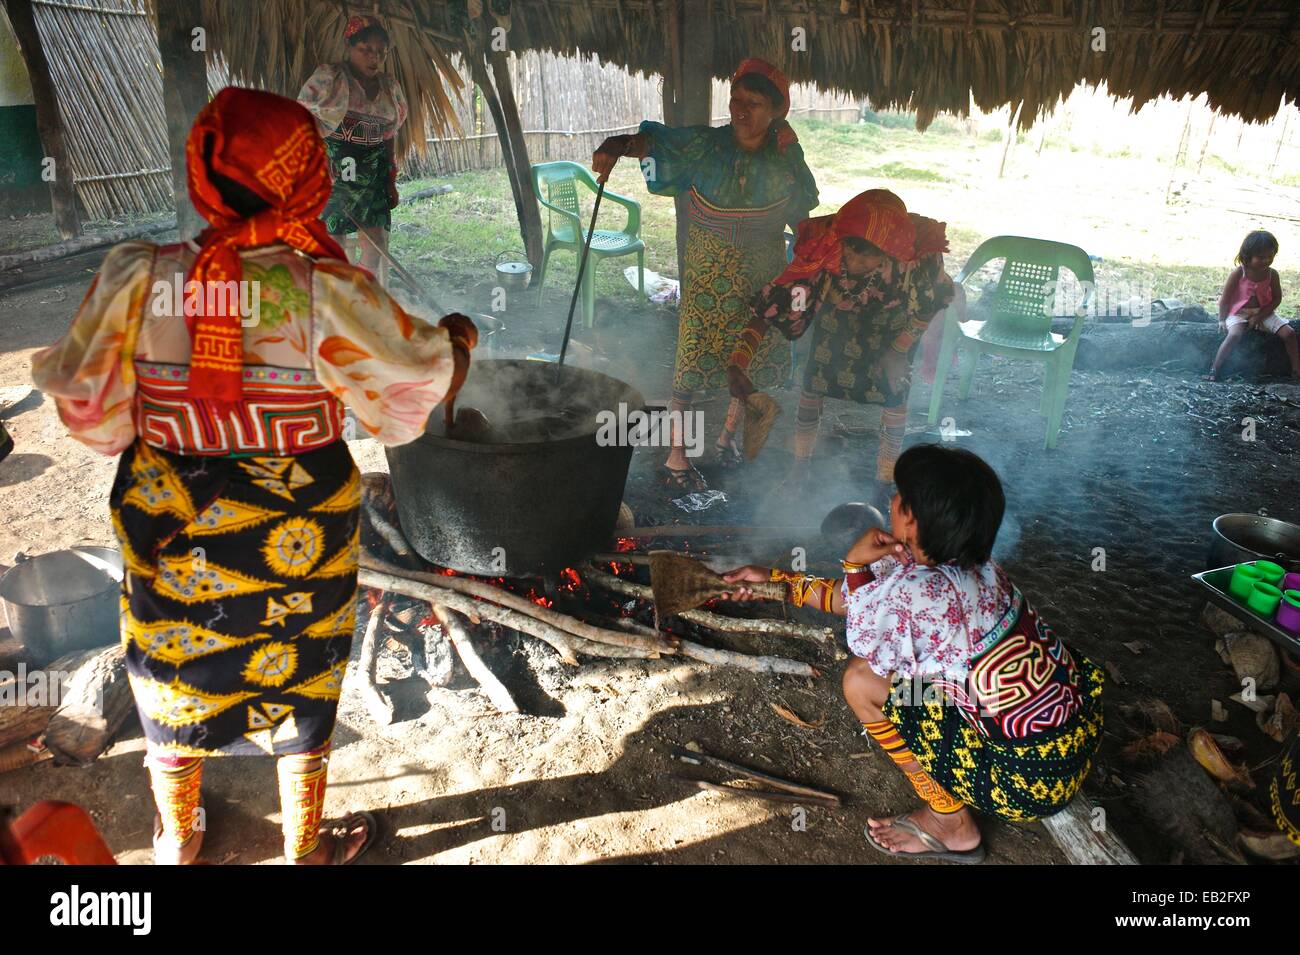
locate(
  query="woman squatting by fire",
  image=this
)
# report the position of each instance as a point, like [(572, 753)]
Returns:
[(954, 675)]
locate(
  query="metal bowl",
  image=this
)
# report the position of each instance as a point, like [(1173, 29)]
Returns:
[(1239, 538), (63, 601)]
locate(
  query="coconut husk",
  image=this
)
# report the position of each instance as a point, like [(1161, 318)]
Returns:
[(1254, 657), (1280, 720), (1179, 801), (1205, 750), (1151, 714), (1273, 846), (761, 412), (681, 583)]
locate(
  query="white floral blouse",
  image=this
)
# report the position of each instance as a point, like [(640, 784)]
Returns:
[(918, 620), (344, 112), (324, 335)]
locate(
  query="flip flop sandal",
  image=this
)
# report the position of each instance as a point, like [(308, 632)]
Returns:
[(761, 412), (340, 829), (159, 835), (937, 850), (683, 481)]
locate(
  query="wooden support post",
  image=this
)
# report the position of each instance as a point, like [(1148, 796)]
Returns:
[(530, 220), (185, 92), (521, 190), (688, 87), (49, 121), (1010, 137)]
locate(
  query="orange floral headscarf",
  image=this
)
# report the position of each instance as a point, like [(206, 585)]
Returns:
[(785, 136), (267, 144), (877, 215)]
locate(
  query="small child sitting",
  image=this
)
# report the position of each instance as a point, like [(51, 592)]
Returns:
[(1250, 299), (954, 675)]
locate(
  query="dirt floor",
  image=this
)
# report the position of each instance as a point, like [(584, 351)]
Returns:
[(1145, 462)]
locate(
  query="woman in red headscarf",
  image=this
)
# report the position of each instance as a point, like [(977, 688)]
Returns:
[(359, 109), (219, 370), (745, 182), (868, 280)]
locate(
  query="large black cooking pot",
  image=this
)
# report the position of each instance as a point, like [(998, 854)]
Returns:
[(533, 494)]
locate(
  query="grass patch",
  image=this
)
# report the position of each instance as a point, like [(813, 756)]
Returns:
[(898, 170)]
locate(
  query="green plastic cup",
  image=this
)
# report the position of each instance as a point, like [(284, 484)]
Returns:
[(1270, 572), (1292, 597), (1244, 577), (1264, 599)]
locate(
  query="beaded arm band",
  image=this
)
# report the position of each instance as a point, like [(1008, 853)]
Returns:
[(805, 588)]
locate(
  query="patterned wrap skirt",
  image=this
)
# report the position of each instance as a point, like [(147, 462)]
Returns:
[(730, 255), (239, 598), (1022, 751), (365, 197)]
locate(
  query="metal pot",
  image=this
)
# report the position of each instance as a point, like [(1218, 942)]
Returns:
[(63, 601), (538, 493), (1238, 538), (513, 276)]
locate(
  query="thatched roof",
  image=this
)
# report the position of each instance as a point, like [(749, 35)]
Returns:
[(927, 55)]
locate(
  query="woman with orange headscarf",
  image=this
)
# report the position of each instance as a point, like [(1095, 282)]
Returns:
[(745, 182), (868, 280), (219, 370)]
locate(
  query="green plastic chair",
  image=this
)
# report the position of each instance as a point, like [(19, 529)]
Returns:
[(1020, 325), (566, 230)]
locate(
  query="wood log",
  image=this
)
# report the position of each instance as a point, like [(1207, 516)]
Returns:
[(565, 644), (185, 92), (18, 724), (1073, 832), (82, 244), (49, 118), (1115, 346), (503, 598), (378, 706), (19, 756), (714, 621), (95, 702), (745, 661), (455, 630)]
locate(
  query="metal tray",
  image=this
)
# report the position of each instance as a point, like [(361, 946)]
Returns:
[(1216, 582)]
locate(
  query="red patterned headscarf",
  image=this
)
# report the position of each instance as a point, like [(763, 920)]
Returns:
[(764, 68), (358, 23), (877, 215), (785, 135), (267, 144)]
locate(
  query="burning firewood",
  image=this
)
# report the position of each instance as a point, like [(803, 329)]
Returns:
[(503, 598), (714, 621), (379, 707), (459, 637)]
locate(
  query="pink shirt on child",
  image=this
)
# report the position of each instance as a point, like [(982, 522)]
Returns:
[(1262, 291)]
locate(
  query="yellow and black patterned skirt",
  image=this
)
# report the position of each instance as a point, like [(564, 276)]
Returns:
[(239, 596), (730, 255), (1019, 780)]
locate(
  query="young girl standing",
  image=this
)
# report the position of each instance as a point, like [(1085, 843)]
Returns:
[(1250, 299)]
